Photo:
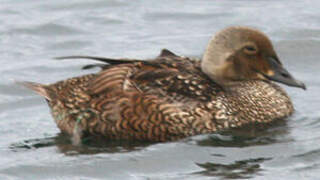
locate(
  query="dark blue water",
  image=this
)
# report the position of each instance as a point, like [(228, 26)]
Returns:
[(32, 32)]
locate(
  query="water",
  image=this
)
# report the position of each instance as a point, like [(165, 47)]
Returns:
[(32, 32)]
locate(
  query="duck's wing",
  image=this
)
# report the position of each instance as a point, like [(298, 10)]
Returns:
[(168, 75), (171, 77), (178, 78)]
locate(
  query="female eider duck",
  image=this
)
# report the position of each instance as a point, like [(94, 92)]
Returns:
[(172, 97)]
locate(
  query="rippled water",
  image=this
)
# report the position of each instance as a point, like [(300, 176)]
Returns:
[(32, 32)]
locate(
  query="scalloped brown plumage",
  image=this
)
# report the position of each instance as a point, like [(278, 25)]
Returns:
[(167, 98)]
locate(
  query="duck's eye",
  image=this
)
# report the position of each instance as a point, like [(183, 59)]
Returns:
[(250, 50)]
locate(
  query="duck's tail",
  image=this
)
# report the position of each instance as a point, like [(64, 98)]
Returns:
[(111, 61), (40, 89), (102, 59)]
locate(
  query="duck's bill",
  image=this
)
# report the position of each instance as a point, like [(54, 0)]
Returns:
[(281, 75)]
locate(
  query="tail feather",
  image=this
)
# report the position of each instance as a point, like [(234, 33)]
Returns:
[(90, 66), (36, 87), (102, 59), (166, 52), (163, 53)]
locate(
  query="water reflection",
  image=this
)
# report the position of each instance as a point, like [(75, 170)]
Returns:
[(243, 169), (248, 136), (227, 165), (90, 145)]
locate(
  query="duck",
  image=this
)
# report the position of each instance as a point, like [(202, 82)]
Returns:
[(171, 97)]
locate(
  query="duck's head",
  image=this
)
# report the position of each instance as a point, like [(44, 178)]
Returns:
[(241, 53)]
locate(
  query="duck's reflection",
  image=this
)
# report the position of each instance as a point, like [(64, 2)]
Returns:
[(90, 145), (250, 135), (243, 169), (240, 138)]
